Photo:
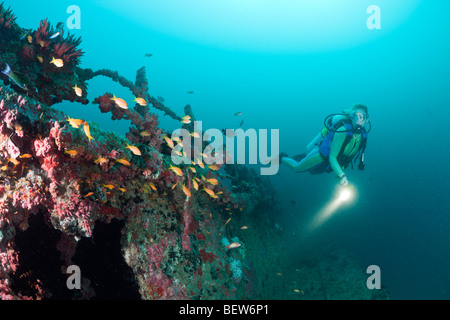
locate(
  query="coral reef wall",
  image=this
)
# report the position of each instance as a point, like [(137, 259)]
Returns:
[(71, 194)]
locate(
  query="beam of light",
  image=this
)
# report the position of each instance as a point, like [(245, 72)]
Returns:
[(342, 196)]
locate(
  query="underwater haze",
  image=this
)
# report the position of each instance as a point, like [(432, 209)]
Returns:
[(286, 65)]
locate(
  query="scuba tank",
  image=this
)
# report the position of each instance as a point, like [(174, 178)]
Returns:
[(336, 120)]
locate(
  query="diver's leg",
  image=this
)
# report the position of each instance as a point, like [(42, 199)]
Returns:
[(315, 142), (312, 159)]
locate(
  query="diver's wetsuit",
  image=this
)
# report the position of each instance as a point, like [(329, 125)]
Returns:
[(314, 159)]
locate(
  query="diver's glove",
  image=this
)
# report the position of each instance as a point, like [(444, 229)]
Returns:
[(343, 180)]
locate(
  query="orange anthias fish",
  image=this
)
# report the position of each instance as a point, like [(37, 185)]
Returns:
[(120, 102), (26, 156), (186, 191), (109, 186), (210, 192), (213, 167), (169, 141), (140, 101), (176, 170), (78, 90), (71, 152), (124, 162), (134, 149), (101, 160), (212, 181), (145, 134), (87, 131), (233, 245), (152, 185), (57, 62), (75, 122), (195, 184)]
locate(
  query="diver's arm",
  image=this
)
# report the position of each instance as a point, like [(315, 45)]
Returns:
[(336, 145)]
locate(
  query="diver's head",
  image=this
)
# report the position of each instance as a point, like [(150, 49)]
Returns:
[(359, 115)]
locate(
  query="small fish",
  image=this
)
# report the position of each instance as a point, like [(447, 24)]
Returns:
[(25, 34), (13, 161), (173, 187), (71, 152), (213, 167), (30, 39), (160, 98), (190, 92), (178, 153), (54, 35), (88, 194), (195, 184), (57, 62), (122, 189), (14, 77), (240, 124), (120, 102), (227, 222), (186, 117), (299, 291), (213, 181), (169, 141), (200, 164), (237, 114), (134, 149), (279, 274), (233, 245), (26, 156), (42, 43), (244, 228), (78, 90), (176, 170), (145, 134), (186, 121), (87, 131), (193, 169), (101, 160), (109, 186), (140, 101), (195, 135), (186, 190), (210, 192), (176, 139), (40, 59), (152, 185), (124, 162), (75, 122), (148, 55)]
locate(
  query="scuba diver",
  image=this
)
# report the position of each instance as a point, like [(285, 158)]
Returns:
[(343, 139)]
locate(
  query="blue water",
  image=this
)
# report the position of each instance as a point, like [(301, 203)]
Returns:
[(286, 65)]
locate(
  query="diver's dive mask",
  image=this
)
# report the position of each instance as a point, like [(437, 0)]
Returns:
[(359, 118)]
